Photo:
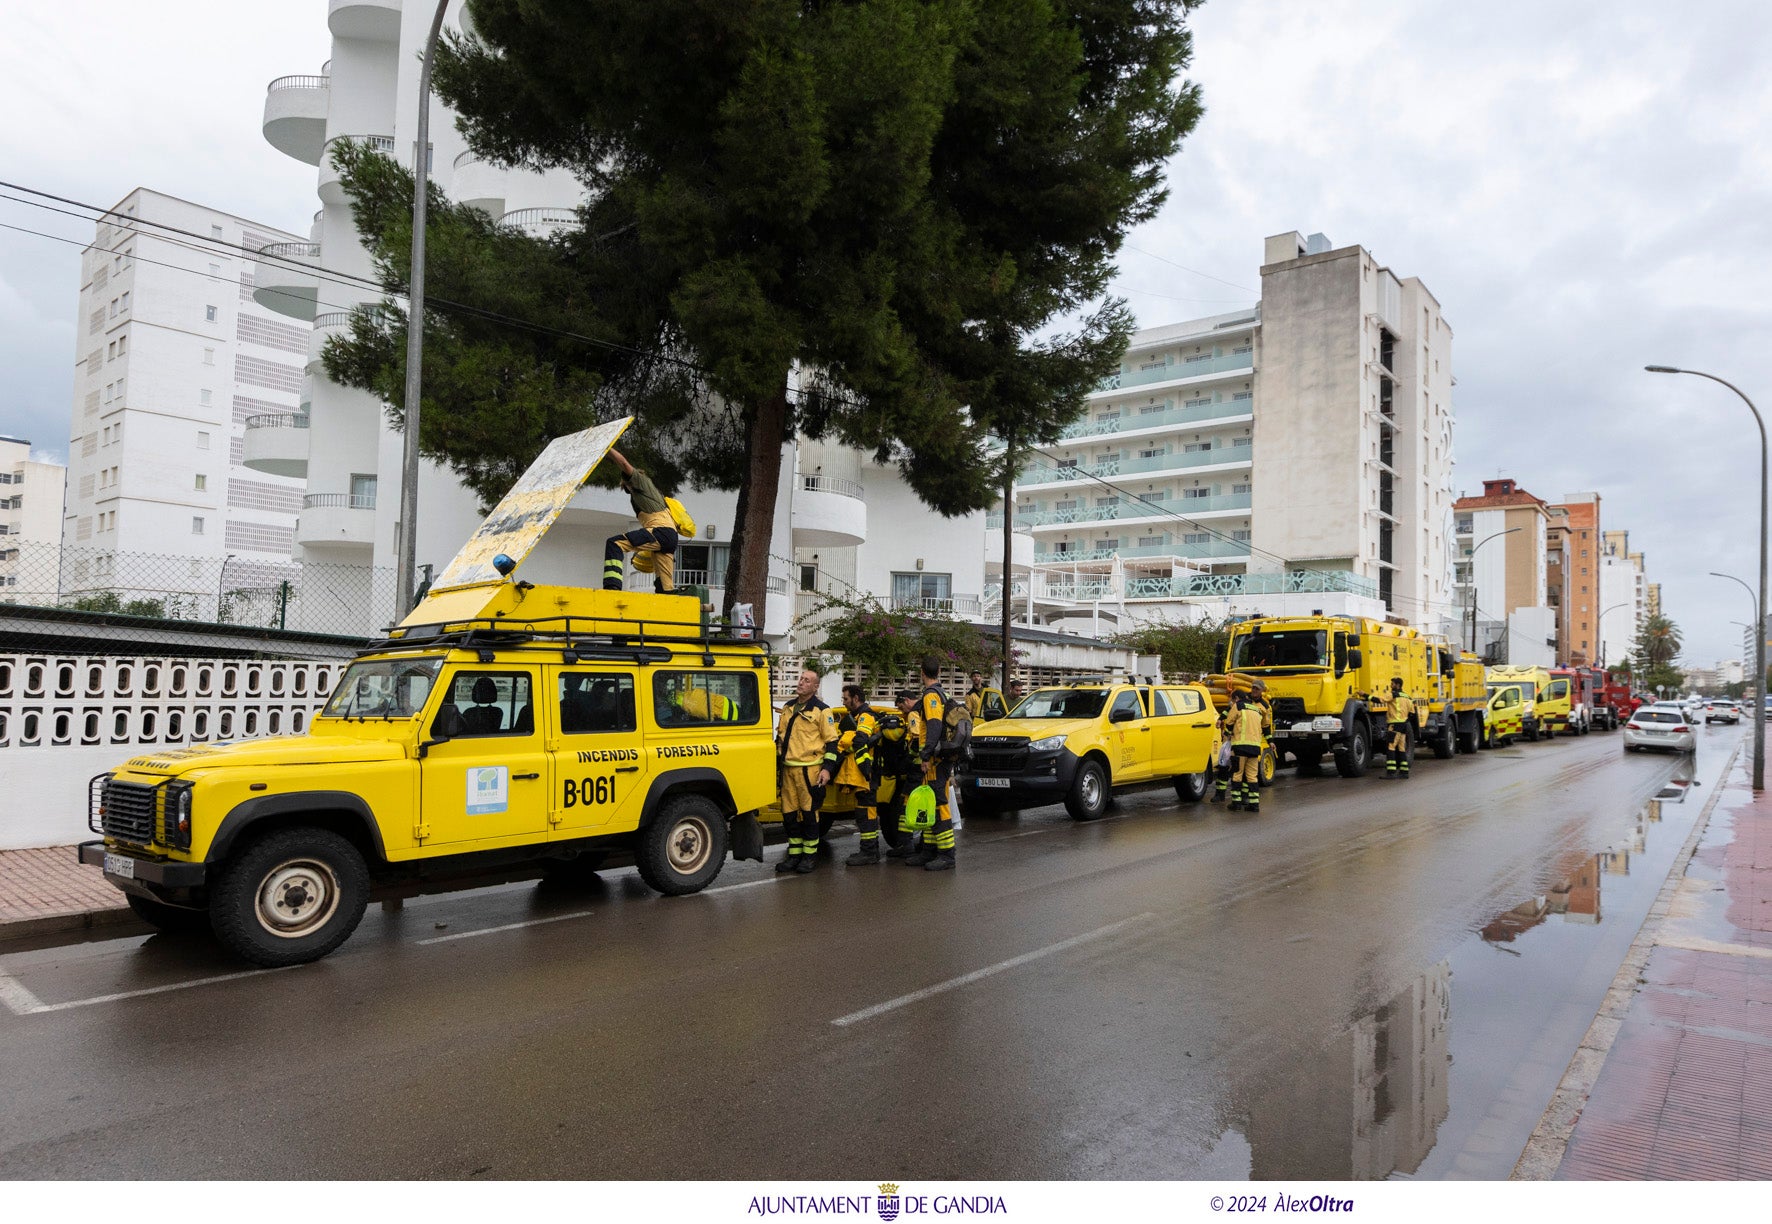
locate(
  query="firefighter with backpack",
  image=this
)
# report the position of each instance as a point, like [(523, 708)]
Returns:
[(663, 522), (862, 745), (947, 734)]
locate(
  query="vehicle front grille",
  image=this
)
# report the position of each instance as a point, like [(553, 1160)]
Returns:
[(1289, 709), (127, 811), (998, 760)]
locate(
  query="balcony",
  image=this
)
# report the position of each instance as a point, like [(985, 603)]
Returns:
[(374, 20), (1129, 511), (951, 605), (1213, 549), (277, 444), (1021, 545), (1234, 454), (1135, 422), (479, 184), (281, 280), (1230, 363), (828, 513), (541, 222), (336, 520), (1313, 582), (332, 187), (295, 116)]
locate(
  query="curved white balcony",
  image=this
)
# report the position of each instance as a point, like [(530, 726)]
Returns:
[(336, 520), (479, 184), (282, 280), (295, 115), (541, 222), (828, 513), (277, 444), (376, 20), (1021, 549), (332, 187)]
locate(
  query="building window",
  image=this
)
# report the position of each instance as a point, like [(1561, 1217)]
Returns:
[(362, 491), (215, 231), (923, 590), (809, 577), (122, 345), (215, 269), (202, 485), (1242, 537), (1193, 448), (1155, 541), (203, 397), (209, 314), (1242, 488), (1153, 452), (1196, 493), (111, 351), (197, 524), (123, 303), (202, 439), (208, 356), (1195, 537), (113, 308)]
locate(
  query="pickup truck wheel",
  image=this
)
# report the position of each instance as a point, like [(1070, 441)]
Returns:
[(1089, 792), (684, 847), (290, 897), (1191, 788), (172, 919), (1270, 761), (1353, 762)]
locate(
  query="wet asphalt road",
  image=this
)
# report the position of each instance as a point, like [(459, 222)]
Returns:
[(1368, 979)]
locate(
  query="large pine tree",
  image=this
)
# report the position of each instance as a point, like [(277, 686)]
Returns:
[(899, 197)]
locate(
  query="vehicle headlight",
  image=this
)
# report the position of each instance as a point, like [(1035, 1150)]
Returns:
[(176, 817), (1052, 743)]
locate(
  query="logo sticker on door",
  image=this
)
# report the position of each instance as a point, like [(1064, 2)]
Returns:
[(489, 789)]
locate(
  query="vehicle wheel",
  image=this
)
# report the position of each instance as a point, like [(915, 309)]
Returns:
[(1353, 762), (173, 919), (1089, 792), (1445, 747), (1270, 761), (1191, 788), (684, 847), (1310, 764), (290, 897), (1532, 735), (1470, 741)]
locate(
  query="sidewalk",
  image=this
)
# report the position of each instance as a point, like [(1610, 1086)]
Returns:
[(1674, 1079), (45, 891)]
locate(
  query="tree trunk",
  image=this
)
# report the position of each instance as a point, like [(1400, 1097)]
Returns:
[(747, 571)]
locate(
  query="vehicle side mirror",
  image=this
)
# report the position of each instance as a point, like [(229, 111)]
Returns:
[(1354, 658), (1122, 715)]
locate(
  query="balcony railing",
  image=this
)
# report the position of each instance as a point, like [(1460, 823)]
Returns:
[(1228, 363), (776, 585), (994, 522), (831, 484), (1138, 510), (1236, 451), (290, 250), (278, 420), (1314, 582), (1126, 423), (961, 605), (540, 218), (378, 144), (343, 501), (309, 81)]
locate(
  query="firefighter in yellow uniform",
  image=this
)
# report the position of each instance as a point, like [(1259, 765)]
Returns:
[(655, 540), (908, 772), (937, 851), (859, 744), (806, 748), (1398, 711), (1247, 736)]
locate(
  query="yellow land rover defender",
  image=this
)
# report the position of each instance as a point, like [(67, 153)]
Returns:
[(503, 730), (1081, 742)]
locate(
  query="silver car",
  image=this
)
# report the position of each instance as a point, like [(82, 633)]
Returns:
[(1721, 711), (1663, 726)]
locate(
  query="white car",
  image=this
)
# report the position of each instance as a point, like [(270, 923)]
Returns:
[(1663, 726), (1721, 711)]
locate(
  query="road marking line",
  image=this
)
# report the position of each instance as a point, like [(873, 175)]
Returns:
[(917, 996), (509, 926), (735, 887), (24, 1003)]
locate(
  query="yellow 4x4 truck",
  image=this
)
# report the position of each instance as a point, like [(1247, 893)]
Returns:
[(503, 730), (1081, 742)]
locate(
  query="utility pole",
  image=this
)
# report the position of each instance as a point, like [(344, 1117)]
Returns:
[(1008, 554)]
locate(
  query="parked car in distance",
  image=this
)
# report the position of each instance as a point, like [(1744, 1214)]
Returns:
[(1663, 726), (1721, 711)]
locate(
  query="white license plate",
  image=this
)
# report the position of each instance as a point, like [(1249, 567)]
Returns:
[(994, 783), (120, 865)]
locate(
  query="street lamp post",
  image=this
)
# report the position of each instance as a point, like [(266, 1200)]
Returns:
[(1601, 624), (1760, 602), (406, 552), (1473, 582)]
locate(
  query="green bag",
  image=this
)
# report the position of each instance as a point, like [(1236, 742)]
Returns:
[(919, 808)]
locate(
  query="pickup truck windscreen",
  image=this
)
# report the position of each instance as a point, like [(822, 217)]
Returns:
[(1062, 703), (1288, 650), (383, 688)]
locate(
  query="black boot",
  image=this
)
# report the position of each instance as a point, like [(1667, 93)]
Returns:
[(943, 861), (807, 864), (790, 863), (921, 855), (904, 849), (866, 856)]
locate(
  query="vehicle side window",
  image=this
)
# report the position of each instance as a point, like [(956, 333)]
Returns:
[(1160, 707), (492, 702), (991, 707), (1127, 701), (1186, 701), (704, 698), (593, 703)]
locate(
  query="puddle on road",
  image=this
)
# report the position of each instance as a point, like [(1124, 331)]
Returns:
[(1449, 1077)]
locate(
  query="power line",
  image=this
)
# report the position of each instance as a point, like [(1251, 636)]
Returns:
[(1183, 267)]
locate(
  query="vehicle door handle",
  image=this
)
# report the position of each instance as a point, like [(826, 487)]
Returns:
[(524, 777), (1143, 728), (1202, 726), (627, 769)]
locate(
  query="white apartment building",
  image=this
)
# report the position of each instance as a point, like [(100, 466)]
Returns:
[(1287, 458), (174, 360), (30, 524)]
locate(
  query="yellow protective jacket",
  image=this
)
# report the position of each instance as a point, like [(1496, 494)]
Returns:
[(1246, 728), (709, 707), (857, 742), (1397, 708), (806, 734)]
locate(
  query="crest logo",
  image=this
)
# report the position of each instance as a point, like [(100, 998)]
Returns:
[(889, 1201)]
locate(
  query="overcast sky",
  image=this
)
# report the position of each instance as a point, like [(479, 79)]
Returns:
[(1585, 188)]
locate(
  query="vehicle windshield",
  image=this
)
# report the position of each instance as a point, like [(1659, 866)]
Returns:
[(384, 688), (1659, 716), (1062, 703), (1301, 648)]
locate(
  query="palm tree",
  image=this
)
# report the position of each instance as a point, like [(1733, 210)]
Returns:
[(1658, 642)]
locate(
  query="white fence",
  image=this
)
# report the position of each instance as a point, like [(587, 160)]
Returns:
[(64, 718)]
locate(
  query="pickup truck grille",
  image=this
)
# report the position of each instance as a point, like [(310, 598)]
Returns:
[(999, 760), (1289, 710), (125, 810)]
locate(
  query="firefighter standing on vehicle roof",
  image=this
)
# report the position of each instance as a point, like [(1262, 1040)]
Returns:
[(859, 742), (1248, 733), (1398, 711), (937, 851), (806, 747), (908, 760), (654, 543)]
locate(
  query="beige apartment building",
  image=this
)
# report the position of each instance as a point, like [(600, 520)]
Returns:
[(1502, 549), (1573, 576)]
